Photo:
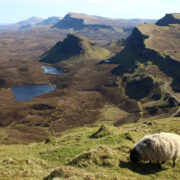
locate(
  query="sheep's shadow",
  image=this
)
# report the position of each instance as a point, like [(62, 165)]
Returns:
[(141, 168)]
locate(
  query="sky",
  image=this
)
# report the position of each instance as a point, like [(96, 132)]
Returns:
[(12, 11)]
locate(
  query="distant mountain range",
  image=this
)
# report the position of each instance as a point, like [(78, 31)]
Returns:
[(29, 23), (77, 21), (99, 28)]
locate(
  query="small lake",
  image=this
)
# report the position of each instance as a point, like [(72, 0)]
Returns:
[(26, 93), (51, 70)]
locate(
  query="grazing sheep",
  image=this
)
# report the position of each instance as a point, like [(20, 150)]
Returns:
[(158, 147)]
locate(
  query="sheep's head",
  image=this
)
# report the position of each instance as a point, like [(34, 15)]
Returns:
[(134, 156)]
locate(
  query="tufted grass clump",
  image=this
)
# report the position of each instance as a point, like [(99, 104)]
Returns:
[(101, 132)]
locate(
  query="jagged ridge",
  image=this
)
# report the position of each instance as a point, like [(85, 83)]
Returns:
[(169, 19), (158, 44), (74, 48)]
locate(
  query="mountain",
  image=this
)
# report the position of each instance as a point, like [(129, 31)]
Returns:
[(50, 21), (93, 26), (79, 21), (74, 48), (149, 66), (142, 21), (29, 23), (169, 19)]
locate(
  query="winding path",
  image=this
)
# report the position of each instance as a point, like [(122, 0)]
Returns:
[(174, 96)]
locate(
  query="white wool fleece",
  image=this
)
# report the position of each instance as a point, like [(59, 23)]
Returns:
[(159, 147)]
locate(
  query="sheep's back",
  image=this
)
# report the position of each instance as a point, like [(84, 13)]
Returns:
[(159, 147)]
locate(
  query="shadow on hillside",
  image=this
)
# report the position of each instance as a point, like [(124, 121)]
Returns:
[(141, 168)]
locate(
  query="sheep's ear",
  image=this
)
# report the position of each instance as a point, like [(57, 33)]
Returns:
[(130, 151)]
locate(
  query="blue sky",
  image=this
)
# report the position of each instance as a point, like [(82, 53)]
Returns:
[(16, 10)]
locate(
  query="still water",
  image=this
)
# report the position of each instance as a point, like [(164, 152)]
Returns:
[(26, 93)]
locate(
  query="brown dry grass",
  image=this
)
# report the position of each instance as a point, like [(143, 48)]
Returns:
[(163, 39)]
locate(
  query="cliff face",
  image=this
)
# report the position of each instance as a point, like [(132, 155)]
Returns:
[(157, 44), (79, 23), (169, 19)]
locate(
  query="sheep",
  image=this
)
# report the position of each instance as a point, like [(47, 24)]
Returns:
[(158, 147)]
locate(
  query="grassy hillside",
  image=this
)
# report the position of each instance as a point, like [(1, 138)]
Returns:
[(79, 155), (73, 49), (156, 44)]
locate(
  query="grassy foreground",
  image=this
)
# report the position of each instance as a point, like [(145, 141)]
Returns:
[(87, 153)]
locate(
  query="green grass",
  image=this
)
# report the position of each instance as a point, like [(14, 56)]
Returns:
[(74, 49), (76, 154)]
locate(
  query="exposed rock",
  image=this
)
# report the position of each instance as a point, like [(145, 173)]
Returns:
[(169, 19), (74, 48)]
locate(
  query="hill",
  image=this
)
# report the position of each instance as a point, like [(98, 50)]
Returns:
[(94, 27), (29, 24), (76, 155), (169, 19), (74, 48), (86, 127), (158, 44), (149, 61), (79, 21), (50, 21), (30, 38)]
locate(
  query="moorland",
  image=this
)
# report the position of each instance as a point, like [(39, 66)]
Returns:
[(119, 76)]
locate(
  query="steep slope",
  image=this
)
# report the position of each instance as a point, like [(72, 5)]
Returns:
[(29, 24), (79, 21), (73, 49), (169, 19), (158, 44), (96, 27), (50, 21), (149, 61), (76, 156)]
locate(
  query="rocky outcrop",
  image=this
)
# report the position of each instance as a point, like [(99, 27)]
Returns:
[(153, 43), (169, 19), (78, 23), (74, 48)]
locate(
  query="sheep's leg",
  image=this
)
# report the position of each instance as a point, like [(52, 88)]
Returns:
[(159, 165), (174, 161)]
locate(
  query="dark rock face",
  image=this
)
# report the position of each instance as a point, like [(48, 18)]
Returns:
[(78, 24), (2, 82), (136, 51), (71, 45), (138, 89), (42, 107), (50, 20), (63, 50), (137, 40), (70, 22), (169, 19)]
